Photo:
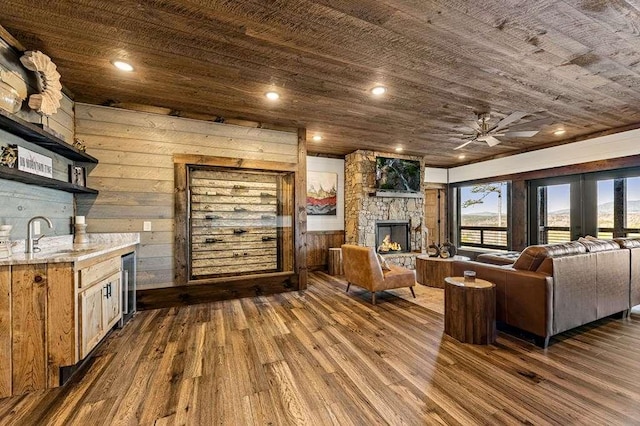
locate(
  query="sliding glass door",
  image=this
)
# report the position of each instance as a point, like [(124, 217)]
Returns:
[(554, 218), (602, 204)]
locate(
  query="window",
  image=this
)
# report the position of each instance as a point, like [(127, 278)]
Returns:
[(554, 213), (483, 215), (632, 207), (605, 208)]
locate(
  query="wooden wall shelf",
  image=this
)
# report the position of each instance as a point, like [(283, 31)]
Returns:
[(34, 134), (31, 179)]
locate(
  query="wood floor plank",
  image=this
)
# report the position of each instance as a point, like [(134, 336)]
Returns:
[(324, 356)]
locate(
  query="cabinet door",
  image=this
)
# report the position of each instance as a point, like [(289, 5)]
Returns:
[(112, 308), (91, 321), (28, 316)]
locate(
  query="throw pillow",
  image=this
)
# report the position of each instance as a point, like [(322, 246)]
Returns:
[(383, 263)]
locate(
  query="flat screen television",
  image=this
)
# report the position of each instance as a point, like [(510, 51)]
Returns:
[(397, 175)]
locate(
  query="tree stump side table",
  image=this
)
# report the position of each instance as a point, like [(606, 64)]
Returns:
[(470, 310), (335, 261), (431, 271)]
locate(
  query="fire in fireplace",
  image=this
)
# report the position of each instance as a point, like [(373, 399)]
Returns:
[(392, 236)]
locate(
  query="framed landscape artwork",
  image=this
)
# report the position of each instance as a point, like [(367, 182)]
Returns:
[(322, 193)]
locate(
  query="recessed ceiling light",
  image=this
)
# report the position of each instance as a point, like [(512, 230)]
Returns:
[(317, 138), (560, 132), (272, 96), (462, 156), (379, 90), (123, 66), (399, 149)]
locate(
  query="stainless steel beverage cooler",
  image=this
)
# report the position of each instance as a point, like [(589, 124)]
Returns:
[(128, 287)]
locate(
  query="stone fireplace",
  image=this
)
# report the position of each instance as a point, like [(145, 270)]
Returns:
[(393, 236), (364, 209)]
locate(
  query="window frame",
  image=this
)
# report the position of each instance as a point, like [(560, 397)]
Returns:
[(455, 194), (584, 203)]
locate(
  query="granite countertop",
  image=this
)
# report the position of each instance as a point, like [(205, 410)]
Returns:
[(61, 249)]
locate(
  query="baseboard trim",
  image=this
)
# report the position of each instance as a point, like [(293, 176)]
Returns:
[(205, 293)]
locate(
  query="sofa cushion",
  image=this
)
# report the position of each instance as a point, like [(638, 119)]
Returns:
[(530, 258), (594, 245), (628, 243), (565, 249), (498, 258), (533, 256)]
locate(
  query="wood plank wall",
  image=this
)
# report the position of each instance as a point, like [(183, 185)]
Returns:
[(318, 245), (21, 201), (434, 221), (135, 176)]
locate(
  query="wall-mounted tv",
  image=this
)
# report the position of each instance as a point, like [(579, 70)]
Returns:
[(397, 175)]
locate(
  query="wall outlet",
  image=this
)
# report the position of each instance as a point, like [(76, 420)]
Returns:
[(146, 226), (36, 227)]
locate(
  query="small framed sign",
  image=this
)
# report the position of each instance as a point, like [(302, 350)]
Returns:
[(32, 162), (77, 175)]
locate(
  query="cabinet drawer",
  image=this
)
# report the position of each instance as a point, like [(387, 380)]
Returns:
[(97, 272)]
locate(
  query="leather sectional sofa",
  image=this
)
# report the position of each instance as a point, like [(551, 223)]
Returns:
[(554, 288)]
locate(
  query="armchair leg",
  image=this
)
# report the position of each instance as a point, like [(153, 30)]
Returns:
[(373, 297), (412, 292), (348, 285)]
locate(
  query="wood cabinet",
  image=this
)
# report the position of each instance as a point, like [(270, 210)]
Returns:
[(36, 325), (100, 309), (91, 330), (28, 313), (52, 316)]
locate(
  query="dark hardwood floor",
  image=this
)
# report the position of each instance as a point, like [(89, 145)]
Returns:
[(325, 357)]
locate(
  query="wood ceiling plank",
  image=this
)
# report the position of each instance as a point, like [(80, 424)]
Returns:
[(443, 61)]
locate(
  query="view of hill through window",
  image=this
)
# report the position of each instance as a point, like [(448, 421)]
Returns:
[(484, 205)]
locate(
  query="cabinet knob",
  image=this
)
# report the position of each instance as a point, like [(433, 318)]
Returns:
[(38, 278)]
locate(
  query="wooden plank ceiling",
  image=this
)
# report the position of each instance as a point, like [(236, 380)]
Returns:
[(576, 61)]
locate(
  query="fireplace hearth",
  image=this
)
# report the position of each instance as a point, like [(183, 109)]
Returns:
[(392, 236)]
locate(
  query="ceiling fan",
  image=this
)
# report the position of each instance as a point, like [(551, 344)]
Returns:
[(485, 132)]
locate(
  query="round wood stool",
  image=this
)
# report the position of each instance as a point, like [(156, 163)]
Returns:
[(470, 310)]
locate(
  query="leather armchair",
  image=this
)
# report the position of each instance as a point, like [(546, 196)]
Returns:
[(362, 268)]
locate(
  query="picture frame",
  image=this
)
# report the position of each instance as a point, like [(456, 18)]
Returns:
[(332, 222), (77, 175), (321, 193)]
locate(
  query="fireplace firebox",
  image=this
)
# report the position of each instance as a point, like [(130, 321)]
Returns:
[(392, 236)]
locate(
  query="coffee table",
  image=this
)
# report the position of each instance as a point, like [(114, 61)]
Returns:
[(431, 271), (470, 310)]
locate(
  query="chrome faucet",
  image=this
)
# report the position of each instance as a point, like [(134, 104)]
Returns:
[(28, 247)]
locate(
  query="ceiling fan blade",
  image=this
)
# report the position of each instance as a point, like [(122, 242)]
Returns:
[(460, 135), (534, 124), (464, 144), (513, 117), (522, 134), (490, 140), (475, 125)]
